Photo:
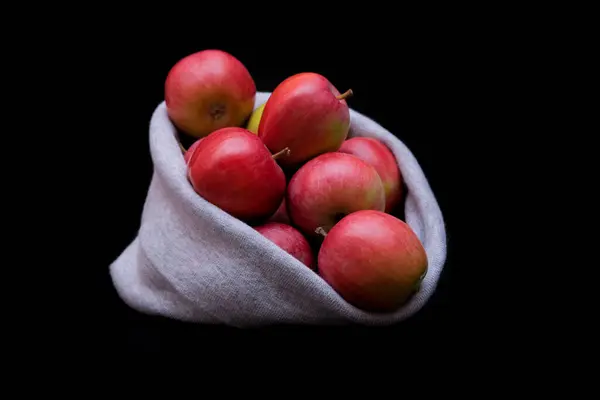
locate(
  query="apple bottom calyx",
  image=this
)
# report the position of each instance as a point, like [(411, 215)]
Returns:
[(217, 111)]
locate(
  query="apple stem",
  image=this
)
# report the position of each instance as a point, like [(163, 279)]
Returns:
[(183, 150), (321, 231), (285, 152), (347, 93)]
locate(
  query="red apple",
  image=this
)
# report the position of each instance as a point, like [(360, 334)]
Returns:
[(232, 169), (306, 113), (290, 240), (382, 159), (189, 152), (209, 90), (281, 215), (329, 187), (373, 260)]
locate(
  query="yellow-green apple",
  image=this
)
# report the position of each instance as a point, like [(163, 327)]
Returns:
[(373, 260), (289, 239), (209, 90), (232, 169), (306, 113), (382, 159), (254, 120), (329, 187)]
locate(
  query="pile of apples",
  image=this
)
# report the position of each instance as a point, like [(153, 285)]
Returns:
[(289, 170)]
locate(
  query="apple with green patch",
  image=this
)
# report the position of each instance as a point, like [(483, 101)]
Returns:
[(307, 114)]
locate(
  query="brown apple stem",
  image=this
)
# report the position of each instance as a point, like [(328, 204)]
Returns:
[(285, 152), (183, 150), (321, 231), (347, 93), (178, 138)]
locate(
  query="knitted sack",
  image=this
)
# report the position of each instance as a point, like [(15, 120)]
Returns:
[(193, 262)]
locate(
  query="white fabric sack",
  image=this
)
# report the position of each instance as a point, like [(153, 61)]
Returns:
[(193, 262)]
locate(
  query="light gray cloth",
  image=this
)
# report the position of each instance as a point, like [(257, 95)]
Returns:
[(193, 262)]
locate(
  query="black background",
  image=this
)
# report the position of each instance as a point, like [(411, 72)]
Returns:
[(421, 89)]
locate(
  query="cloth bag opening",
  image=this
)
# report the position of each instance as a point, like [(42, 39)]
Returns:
[(192, 262)]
